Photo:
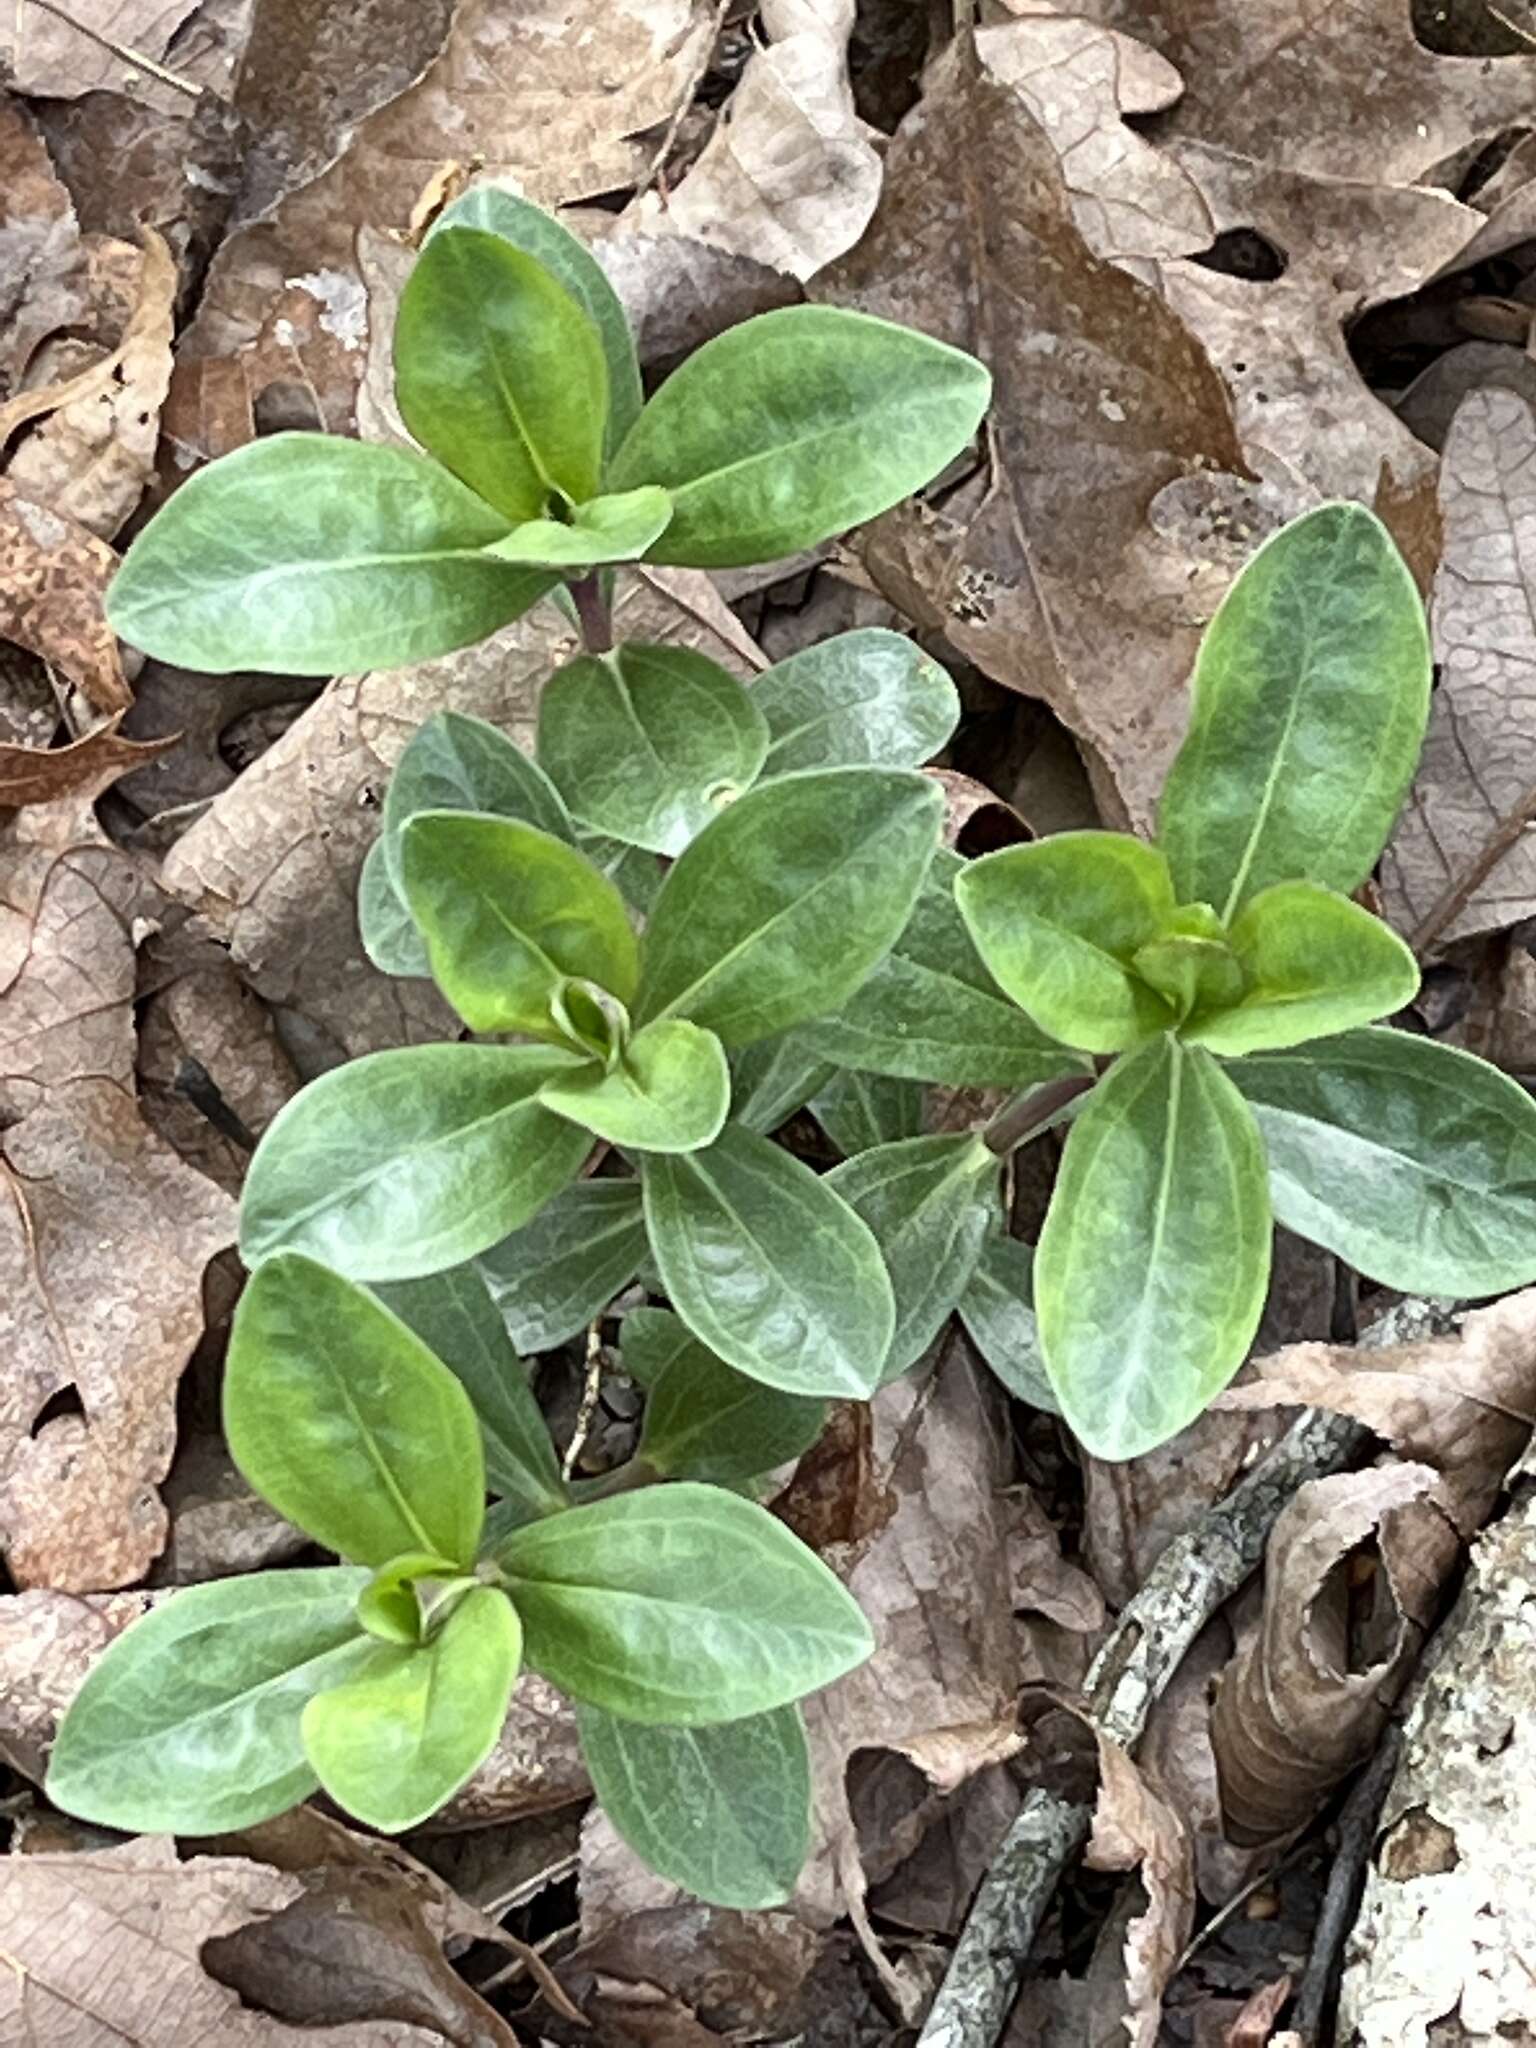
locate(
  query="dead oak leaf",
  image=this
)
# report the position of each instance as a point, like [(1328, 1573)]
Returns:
[(41, 263), (60, 52), (48, 775), (53, 579)]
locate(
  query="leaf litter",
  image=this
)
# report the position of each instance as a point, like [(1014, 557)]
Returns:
[(1162, 228)]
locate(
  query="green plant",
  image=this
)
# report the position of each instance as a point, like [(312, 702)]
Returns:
[(385, 1679)]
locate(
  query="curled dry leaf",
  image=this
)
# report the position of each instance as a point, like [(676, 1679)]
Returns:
[(84, 768), (1133, 1829), (53, 579), (1463, 858), (679, 293), (1465, 1405), (41, 263), (1350, 1588), (1046, 574), (789, 177)]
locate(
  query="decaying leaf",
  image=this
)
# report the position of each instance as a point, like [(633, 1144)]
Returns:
[(679, 293), (789, 177), (1135, 1830), (1463, 858), (1048, 575), (53, 578), (48, 775), (535, 1767), (60, 52), (48, 1642), (1350, 1587), (41, 262), (690, 1976)]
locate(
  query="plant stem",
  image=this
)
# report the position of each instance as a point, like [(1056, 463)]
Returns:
[(1032, 1111), (593, 611), (626, 1478)]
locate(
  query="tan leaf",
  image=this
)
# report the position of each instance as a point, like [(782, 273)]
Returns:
[(1135, 1830), (104, 1236), (1350, 1586), (1463, 858), (218, 1524), (1343, 92), (47, 775), (53, 580), (41, 263), (1047, 574), (536, 1765), (789, 176), (1465, 1405), (679, 293), (48, 1642), (107, 1947)]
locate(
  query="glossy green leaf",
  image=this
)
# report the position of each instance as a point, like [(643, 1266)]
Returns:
[(998, 1311), (1315, 964), (858, 1111), (634, 872), (612, 529), (500, 211), (456, 763), (669, 1092), (409, 1161), (1412, 1161), (384, 921), (1311, 695), (551, 1278), (456, 1315), (795, 426), (344, 1420), (930, 1203), (1191, 963), (680, 1605), (649, 743), (500, 374), (1152, 1267), (705, 1421), (189, 1723), (310, 555), (773, 1077), (396, 1742), (651, 1339), (930, 1011), (725, 1812), (389, 1607), (869, 696), (781, 907), (1059, 923), (508, 912), (769, 1266)]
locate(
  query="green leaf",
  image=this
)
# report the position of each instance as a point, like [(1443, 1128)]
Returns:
[(309, 555), (189, 1724), (680, 1605), (409, 1161), (779, 909), (1315, 964), (1192, 964), (384, 921), (613, 529), (500, 374), (341, 1417), (635, 873), (647, 744), (396, 1742), (704, 1421), (1412, 1161), (1152, 1266), (769, 1266), (551, 1278), (858, 1111), (455, 763), (795, 426), (725, 1812), (456, 1315), (870, 696), (508, 913), (499, 210), (931, 1012), (670, 1091), (651, 1338), (998, 1312), (930, 1203), (1311, 695), (1059, 924), (773, 1077), (389, 1607)]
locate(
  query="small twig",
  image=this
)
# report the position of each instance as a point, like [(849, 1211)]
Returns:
[(1514, 27), (1346, 1881), (591, 1393), (124, 52)]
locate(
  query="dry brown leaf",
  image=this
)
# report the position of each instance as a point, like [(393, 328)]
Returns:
[(53, 580), (1342, 92), (1433, 399), (41, 264), (107, 1947), (1130, 201), (1464, 1405), (219, 1524), (790, 176), (1135, 1830), (1049, 576), (95, 452), (48, 775), (679, 293), (733, 1976), (536, 1764), (1463, 857), (104, 1236), (48, 1642), (272, 866), (1350, 1588)]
